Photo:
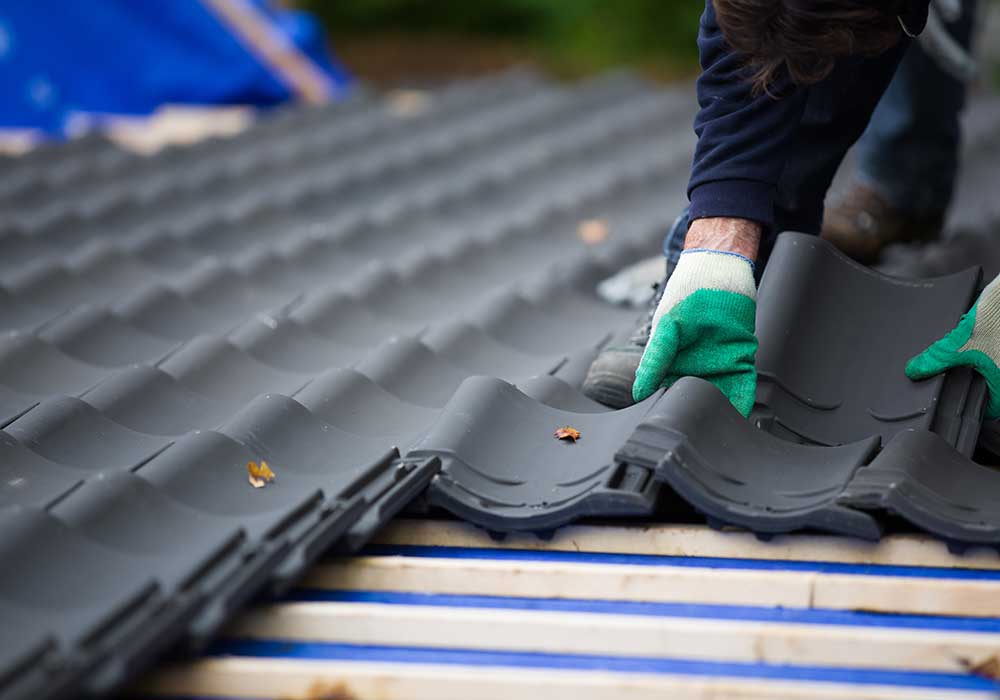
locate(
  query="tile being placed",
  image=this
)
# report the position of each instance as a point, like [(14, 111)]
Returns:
[(922, 478), (736, 474), (834, 339)]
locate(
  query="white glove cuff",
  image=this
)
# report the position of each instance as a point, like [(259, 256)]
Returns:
[(706, 269)]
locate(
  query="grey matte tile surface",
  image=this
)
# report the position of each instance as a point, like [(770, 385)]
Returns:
[(922, 478), (503, 468), (835, 337), (370, 302), (311, 293), (737, 474)]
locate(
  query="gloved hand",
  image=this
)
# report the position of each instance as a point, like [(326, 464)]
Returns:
[(975, 343), (704, 327)]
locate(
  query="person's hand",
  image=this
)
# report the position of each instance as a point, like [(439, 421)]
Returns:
[(974, 342), (704, 324)]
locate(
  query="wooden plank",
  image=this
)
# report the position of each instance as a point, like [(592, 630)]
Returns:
[(756, 587), (697, 541), (619, 635), (308, 680)]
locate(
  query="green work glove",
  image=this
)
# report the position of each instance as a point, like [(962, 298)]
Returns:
[(704, 327), (975, 343)]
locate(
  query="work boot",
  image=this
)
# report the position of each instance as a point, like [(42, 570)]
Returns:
[(612, 373), (863, 222)]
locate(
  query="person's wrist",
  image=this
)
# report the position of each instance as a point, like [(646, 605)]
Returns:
[(725, 235)]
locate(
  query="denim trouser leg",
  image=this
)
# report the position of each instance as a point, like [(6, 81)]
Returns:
[(673, 242), (910, 150)]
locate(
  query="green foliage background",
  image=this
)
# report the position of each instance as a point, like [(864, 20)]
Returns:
[(569, 35)]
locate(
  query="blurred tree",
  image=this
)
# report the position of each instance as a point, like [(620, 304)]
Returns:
[(570, 36)]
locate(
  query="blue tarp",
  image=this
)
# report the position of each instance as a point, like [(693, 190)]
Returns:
[(61, 58)]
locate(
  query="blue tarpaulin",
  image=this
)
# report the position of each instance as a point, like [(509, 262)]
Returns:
[(63, 58)]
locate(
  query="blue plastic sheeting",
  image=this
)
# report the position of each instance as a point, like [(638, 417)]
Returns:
[(693, 562), (61, 58), (739, 613), (621, 664)]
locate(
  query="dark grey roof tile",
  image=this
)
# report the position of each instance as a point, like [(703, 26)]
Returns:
[(412, 371), (148, 400), (124, 512), (352, 401), (533, 328), (169, 254), (52, 286), (14, 404), (286, 344), (207, 471), (534, 482), (470, 347), (924, 479), (825, 388), (302, 512), (106, 609), (216, 367), (29, 479), (293, 440), (318, 168), (334, 313), (162, 311), (96, 336), (34, 367), (23, 667), (18, 312), (314, 293), (554, 392), (20, 249), (282, 271), (73, 433), (739, 475)]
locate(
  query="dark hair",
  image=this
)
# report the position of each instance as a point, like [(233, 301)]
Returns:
[(805, 37)]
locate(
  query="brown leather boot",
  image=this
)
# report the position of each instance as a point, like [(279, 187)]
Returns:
[(862, 222)]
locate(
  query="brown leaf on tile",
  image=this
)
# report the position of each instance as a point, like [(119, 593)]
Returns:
[(567, 433), (259, 475), (593, 231)]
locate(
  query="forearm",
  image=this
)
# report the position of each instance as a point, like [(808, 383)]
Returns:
[(725, 234)]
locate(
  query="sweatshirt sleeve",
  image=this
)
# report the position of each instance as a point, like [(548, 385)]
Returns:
[(743, 139)]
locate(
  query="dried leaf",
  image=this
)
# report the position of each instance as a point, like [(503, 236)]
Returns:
[(567, 433), (984, 668), (593, 231), (259, 475), (408, 103)]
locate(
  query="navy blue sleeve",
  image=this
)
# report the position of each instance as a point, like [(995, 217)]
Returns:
[(743, 139)]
